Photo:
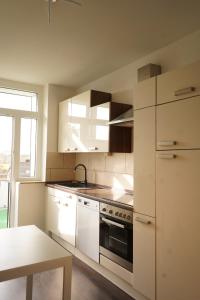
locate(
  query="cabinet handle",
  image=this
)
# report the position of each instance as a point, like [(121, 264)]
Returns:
[(167, 156), (66, 204), (141, 220), (92, 148), (184, 91), (166, 143), (71, 149), (74, 149)]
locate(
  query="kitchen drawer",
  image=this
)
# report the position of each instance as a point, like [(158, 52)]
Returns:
[(178, 124), (145, 93), (179, 84)]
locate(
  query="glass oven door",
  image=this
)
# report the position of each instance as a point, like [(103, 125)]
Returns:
[(117, 237)]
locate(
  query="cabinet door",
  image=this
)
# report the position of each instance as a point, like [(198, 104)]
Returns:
[(52, 214), (145, 93), (178, 238), (178, 124), (144, 255), (80, 115), (179, 84), (65, 142), (144, 161), (99, 130)]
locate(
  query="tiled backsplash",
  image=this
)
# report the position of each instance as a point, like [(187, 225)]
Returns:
[(60, 166), (114, 170)]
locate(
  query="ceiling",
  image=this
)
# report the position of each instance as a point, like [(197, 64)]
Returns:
[(84, 43)]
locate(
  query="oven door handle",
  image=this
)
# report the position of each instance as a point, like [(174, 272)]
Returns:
[(113, 223)]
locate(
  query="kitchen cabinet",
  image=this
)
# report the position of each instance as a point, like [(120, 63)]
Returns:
[(145, 93), (179, 84), (178, 124), (61, 214), (83, 124), (144, 161), (178, 239), (144, 255)]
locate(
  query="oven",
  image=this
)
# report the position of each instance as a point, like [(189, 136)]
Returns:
[(116, 235)]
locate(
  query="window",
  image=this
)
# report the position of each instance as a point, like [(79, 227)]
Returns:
[(19, 100), (22, 107), (27, 164)]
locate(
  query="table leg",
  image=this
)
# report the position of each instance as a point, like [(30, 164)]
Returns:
[(29, 287), (67, 279)]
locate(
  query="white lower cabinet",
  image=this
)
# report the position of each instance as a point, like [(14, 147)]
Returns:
[(144, 255), (61, 214), (178, 217)]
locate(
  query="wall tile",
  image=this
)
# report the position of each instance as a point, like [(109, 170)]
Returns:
[(116, 163), (48, 174), (69, 160), (80, 176), (82, 158), (97, 161), (54, 160), (129, 158), (62, 174)]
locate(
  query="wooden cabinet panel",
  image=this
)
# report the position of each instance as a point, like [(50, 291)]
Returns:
[(144, 255), (178, 124), (179, 84), (178, 239), (145, 93), (144, 161)]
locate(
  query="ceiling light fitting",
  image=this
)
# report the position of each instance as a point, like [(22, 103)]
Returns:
[(50, 2)]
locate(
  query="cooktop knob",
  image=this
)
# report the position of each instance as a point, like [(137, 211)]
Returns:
[(120, 215), (104, 209), (117, 213), (110, 211), (128, 217), (124, 216)]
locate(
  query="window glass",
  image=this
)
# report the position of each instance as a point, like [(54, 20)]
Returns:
[(27, 164), (19, 100)]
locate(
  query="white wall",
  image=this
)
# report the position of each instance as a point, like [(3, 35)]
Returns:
[(121, 82)]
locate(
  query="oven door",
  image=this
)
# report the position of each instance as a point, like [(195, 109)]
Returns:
[(116, 241)]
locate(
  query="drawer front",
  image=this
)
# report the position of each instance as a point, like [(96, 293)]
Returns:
[(178, 124), (179, 84), (145, 93)]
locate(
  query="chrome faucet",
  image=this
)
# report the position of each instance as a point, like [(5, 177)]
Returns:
[(84, 167)]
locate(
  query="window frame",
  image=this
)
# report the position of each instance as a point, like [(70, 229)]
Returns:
[(17, 115)]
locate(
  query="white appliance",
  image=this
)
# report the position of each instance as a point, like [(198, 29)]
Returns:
[(87, 238)]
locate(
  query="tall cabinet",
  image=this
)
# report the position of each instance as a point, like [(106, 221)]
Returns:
[(177, 184), (167, 189), (144, 188)]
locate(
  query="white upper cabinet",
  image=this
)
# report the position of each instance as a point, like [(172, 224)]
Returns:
[(145, 93), (83, 124), (179, 84), (178, 124), (75, 118), (144, 161)]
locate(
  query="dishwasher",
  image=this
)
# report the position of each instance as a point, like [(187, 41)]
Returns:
[(87, 235)]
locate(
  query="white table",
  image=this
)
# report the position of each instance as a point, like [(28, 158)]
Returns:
[(27, 250)]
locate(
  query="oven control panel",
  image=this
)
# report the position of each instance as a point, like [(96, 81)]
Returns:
[(116, 212)]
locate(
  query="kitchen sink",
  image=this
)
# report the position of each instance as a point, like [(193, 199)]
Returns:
[(77, 184)]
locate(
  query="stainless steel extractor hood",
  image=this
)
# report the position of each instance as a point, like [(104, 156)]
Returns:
[(125, 119)]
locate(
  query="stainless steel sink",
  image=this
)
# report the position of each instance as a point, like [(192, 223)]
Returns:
[(77, 184)]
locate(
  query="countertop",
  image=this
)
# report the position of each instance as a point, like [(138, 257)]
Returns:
[(116, 197)]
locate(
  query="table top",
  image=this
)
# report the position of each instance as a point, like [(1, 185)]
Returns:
[(27, 246)]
